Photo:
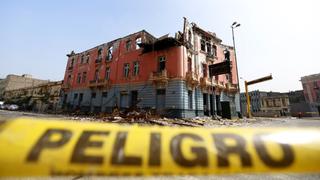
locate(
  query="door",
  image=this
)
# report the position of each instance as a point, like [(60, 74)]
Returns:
[(226, 111), (134, 98), (218, 105), (211, 104), (80, 99), (123, 100), (205, 104), (160, 100)]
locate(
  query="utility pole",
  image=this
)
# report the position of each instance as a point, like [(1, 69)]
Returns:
[(233, 26), (246, 84)]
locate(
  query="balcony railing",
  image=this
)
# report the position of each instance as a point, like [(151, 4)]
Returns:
[(192, 79), (159, 78), (206, 81), (231, 87), (159, 75), (192, 75), (99, 83), (210, 57)]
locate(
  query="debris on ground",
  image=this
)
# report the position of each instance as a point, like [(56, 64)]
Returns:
[(145, 117)]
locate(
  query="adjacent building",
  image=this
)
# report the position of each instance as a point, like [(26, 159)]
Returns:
[(255, 100), (12, 82), (311, 91), (43, 97), (275, 104), (270, 104), (167, 74), (298, 104)]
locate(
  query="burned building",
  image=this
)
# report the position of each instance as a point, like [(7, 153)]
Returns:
[(169, 75)]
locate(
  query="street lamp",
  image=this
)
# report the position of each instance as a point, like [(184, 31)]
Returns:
[(233, 26)]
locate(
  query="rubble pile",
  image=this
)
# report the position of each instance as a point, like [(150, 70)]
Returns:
[(148, 118)]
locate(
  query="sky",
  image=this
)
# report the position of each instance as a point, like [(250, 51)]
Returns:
[(278, 37)]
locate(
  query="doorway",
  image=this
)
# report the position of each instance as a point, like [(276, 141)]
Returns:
[(160, 100)]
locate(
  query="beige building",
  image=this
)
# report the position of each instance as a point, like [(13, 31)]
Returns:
[(275, 104), (12, 82), (43, 97)]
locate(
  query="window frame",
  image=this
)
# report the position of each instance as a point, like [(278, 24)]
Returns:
[(109, 53), (107, 73), (79, 78), (161, 59), (84, 77), (138, 41), (136, 68), (128, 45), (202, 45), (126, 70)]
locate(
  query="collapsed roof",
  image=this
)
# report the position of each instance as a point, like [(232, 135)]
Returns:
[(160, 44)]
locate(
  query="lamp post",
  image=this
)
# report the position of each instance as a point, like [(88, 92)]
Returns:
[(233, 26)]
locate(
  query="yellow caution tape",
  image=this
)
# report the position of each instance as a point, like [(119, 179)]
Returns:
[(52, 147)]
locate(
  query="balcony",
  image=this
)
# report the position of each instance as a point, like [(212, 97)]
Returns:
[(192, 79), (206, 82), (159, 78), (210, 57), (99, 83), (231, 87)]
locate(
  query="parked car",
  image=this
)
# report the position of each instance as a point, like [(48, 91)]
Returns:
[(5, 106), (13, 107)]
